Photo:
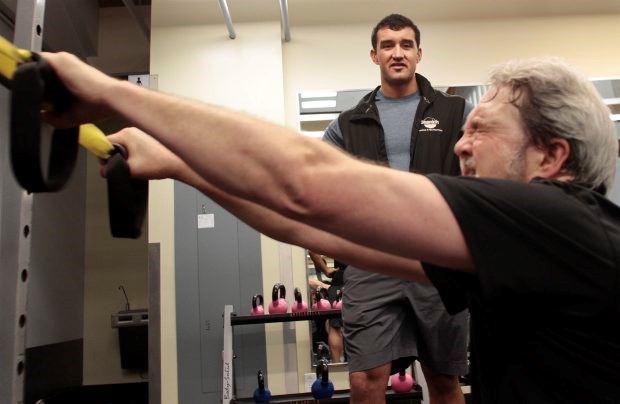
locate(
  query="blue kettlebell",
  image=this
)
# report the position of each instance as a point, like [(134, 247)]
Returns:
[(322, 386), (261, 394)]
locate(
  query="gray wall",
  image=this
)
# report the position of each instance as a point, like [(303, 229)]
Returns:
[(214, 267)]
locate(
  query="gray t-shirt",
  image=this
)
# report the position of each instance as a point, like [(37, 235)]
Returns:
[(396, 115)]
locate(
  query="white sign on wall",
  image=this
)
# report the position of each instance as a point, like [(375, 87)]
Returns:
[(146, 80)]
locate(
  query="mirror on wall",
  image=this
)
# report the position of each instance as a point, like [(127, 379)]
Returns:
[(609, 88), (325, 279)]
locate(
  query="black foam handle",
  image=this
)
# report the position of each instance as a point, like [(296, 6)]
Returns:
[(55, 93), (33, 85), (127, 197)]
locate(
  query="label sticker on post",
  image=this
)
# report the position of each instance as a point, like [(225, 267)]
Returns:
[(206, 221)]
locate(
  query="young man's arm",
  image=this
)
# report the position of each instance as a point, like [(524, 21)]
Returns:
[(300, 178), (320, 264)]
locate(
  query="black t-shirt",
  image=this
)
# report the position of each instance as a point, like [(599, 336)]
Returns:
[(545, 297)]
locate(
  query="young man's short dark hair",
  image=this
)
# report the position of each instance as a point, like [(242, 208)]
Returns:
[(395, 22)]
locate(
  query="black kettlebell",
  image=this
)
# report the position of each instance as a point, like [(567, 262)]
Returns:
[(322, 386), (261, 394)]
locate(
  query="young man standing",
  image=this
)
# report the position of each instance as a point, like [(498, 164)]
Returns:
[(408, 125)]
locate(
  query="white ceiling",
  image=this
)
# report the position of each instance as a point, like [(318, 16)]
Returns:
[(317, 12)]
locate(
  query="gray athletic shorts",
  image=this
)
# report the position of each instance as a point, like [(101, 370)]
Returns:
[(391, 320)]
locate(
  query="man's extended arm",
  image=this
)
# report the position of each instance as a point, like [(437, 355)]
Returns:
[(150, 159), (300, 178)]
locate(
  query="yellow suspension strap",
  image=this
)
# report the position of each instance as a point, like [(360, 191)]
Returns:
[(10, 58)]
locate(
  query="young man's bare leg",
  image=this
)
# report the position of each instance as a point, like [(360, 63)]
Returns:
[(443, 389), (335, 342), (368, 386)]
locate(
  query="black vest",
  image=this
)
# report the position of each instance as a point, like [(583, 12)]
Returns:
[(436, 128)]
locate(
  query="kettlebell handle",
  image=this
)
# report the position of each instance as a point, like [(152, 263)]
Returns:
[(255, 298), (322, 370), (321, 292), (261, 380), (278, 287), (298, 295)]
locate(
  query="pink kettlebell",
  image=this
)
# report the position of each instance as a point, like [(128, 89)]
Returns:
[(278, 305), (402, 382), (299, 306), (321, 300), (257, 308), (337, 304)]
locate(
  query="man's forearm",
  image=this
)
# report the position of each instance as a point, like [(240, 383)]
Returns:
[(287, 230)]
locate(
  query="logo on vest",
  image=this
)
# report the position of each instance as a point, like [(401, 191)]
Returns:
[(430, 125)]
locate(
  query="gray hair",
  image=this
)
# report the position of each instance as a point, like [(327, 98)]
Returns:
[(554, 100)]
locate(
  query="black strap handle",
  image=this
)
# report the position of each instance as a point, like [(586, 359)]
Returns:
[(127, 197), (35, 84)]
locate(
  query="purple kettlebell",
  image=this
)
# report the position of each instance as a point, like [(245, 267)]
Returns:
[(257, 308), (299, 306), (278, 305)]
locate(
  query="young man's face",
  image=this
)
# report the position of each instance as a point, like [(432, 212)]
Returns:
[(494, 143), (397, 55)]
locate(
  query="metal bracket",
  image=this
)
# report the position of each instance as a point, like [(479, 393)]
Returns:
[(227, 358), (28, 35)]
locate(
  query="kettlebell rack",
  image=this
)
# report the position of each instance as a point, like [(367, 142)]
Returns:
[(228, 393)]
